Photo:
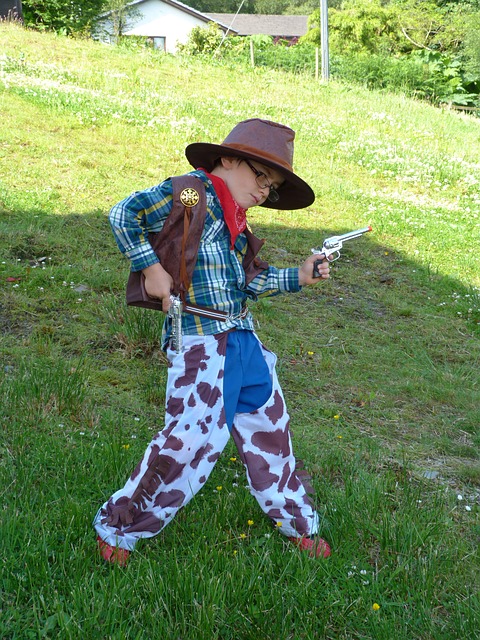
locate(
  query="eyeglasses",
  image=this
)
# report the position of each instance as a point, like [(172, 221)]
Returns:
[(262, 181)]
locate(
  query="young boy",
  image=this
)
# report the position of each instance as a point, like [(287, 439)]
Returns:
[(223, 379)]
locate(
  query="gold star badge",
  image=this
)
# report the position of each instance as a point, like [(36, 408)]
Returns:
[(189, 197)]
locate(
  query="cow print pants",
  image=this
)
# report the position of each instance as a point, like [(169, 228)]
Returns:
[(180, 458)]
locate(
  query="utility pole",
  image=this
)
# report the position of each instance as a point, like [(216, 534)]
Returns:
[(324, 40)]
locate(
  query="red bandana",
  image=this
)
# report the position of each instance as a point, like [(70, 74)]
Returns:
[(235, 216)]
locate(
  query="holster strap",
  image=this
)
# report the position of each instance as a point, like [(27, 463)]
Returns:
[(213, 314)]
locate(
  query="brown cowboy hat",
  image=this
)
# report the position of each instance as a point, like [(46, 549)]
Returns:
[(270, 144)]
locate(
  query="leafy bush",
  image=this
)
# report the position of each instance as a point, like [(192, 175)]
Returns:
[(62, 16), (428, 75), (365, 58), (296, 59), (204, 40)]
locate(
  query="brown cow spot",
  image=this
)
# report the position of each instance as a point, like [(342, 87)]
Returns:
[(284, 478), (167, 430), (145, 521), (221, 339), (277, 409), (119, 513), (239, 443), (300, 525), (298, 521), (173, 443), (275, 442), (201, 453), (294, 482), (208, 394), (136, 471), (172, 498), (195, 361), (275, 514), (221, 418), (168, 468), (202, 426), (259, 471), (175, 406)]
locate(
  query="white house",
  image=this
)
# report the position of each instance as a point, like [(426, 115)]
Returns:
[(165, 22)]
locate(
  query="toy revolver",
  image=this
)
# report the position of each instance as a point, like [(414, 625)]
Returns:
[(331, 247), (175, 313)]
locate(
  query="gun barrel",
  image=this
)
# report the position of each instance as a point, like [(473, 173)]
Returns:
[(354, 234)]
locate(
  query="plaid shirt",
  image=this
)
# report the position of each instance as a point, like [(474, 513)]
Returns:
[(218, 280)]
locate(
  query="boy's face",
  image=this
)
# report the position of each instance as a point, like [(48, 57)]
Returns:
[(248, 181)]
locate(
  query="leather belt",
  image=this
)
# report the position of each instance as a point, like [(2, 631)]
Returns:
[(214, 314)]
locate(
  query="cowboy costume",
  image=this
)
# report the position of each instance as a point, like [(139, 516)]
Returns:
[(223, 381)]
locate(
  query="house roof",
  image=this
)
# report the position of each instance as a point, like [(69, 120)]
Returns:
[(246, 24), (186, 9)]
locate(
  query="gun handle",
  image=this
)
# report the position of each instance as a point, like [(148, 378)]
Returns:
[(316, 272)]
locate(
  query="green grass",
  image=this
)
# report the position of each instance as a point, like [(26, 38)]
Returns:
[(379, 365)]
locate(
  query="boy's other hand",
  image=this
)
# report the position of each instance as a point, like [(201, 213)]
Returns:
[(158, 284), (305, 273)]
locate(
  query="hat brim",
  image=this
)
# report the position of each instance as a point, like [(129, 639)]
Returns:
[(294, 193)]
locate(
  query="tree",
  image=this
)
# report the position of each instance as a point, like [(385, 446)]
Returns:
[(62, 16), (471, 45), (122, 16), (359, 26)]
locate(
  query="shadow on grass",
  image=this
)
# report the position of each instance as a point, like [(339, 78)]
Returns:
[(379, 369)]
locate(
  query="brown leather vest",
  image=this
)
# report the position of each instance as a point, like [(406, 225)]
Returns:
[(176, 245)]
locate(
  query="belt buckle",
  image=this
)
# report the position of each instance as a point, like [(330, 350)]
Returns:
[(240, 315)]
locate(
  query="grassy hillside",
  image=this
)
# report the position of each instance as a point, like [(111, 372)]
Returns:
[(379, 365)]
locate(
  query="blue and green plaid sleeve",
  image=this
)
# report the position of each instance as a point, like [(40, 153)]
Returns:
[(132, 219), (273, 281)]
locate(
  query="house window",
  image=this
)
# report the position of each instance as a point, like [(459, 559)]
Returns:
[(159, 42)]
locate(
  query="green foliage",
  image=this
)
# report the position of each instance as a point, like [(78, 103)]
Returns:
[(423, 49), (429, 75), (204, 40), (62, 16), (445, 81), (425, 74), (471, 45), (298, 58), (365, 25), (122, 15)]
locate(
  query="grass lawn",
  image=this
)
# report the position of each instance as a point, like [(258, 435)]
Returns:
[(379, 365)]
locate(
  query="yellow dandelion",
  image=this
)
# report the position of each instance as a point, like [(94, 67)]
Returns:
[(219, 488), (340, 437), (243, 536), (279, 524), (310, 353), (233, 459), (336, 417), (126, 446), (375, 606), (235, 552), (250, 522)]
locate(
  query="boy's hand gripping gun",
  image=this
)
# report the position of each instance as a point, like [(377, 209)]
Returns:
[(175, 313), (331, 247)]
